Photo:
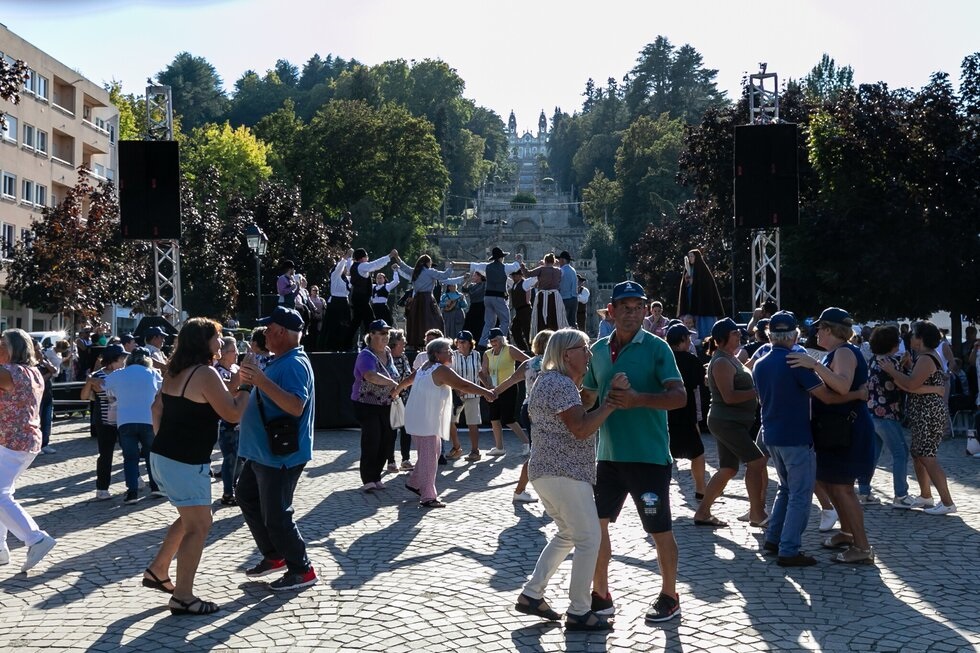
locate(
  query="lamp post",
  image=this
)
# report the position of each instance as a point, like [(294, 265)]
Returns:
[(258, 243)]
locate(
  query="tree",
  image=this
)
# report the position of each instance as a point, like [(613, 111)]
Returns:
[(256, 97), (239, 157), (78, 266), (825, 82), (611, 264), (280, 130), (209, 245), (601, 200), (132, 112), (197, 91), (11, 80)]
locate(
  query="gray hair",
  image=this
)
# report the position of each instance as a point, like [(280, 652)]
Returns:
[(395, 336), (20, 347), (229, 341), (436, 347), (560, 342), (784, 338), (139, 356)]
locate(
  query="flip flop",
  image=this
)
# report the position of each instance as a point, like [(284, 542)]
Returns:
[(712, 521), (157, 583), (414, 490)]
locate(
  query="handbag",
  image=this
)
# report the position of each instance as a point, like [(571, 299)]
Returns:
[(397, 414), (282, 432), (833, 430)]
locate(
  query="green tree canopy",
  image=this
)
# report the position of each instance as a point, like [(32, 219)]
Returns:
[(240, 159), (197, 91)]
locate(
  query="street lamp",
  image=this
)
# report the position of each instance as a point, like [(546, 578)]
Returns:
[(258, 243)]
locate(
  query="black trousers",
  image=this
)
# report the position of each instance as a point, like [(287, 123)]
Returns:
[(108, 436), (406, 445), (265, 495), (520, 328), (376, 438), (338, 336), (361, 316)]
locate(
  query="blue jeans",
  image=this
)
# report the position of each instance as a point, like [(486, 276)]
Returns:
[(47, 416), (494, 309), (265, 495), (135, 441), (892, 434), (231, 464), (571, 310), (797, 470)]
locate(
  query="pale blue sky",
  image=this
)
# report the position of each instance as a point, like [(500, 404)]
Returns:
[(525, 56)]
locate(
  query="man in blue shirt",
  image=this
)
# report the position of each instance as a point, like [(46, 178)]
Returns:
[(265, 489), (568, 287)]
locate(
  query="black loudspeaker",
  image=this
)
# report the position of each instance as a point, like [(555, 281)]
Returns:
[(149, 190), (767, 190)]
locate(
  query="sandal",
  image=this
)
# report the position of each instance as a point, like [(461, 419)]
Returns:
[(157, 583), (536, 608), (833, 543), (414, 490), (856, 556), (588, 621), (455, 453), (432, 503), (194, 606), (711, 521)]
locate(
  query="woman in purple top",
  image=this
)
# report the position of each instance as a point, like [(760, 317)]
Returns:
[(374, 377)]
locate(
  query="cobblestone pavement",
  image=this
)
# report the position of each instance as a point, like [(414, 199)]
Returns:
[(396, 578)]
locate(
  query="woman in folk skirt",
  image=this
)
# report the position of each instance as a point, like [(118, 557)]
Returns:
[(422, 312)]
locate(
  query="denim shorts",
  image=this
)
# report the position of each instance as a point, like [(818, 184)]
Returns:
[(184, 484)]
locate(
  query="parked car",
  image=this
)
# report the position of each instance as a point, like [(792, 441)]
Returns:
[(67, 396), (48, 338)]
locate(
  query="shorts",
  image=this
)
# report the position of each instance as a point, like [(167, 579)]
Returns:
[(184, 484), (503, 409), (735, 442), (471, 407), (647, 483)]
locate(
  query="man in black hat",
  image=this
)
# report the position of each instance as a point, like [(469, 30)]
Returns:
[(568, 287), (495, 271), (360, 290), (154, 337)]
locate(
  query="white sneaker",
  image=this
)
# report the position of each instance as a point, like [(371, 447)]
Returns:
[(393, 468), (48, 449), (919, 502), (903, 503), (526, 450), (941, 509), (37, 551), (496, 452), (828, 519), (102, 495), (4, 555), (868, 499), (524, 497)]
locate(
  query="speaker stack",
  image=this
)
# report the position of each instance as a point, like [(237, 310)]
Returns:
[(149, 190), (767, 191)]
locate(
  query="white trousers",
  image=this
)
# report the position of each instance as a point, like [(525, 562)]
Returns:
[(12, 515), (571, 505)]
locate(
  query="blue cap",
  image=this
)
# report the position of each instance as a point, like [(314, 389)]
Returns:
[(627, 289), (112, 352), (287, 318), (464, 335), (154, 331), (379, 325), (834, 315), (723, 327), (782, 322), (495, 333), (676, 332)]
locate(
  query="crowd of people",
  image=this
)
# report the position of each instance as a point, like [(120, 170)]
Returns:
[(599, 419)]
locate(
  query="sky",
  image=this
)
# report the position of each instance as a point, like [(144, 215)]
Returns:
[(521, 56)]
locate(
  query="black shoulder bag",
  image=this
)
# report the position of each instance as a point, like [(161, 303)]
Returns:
[(282, 432)]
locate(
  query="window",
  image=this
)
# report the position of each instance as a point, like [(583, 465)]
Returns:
[(41, 141), (112, 133), (29, 136), (9, 186), (8, 234), (40, 195), (10, 131), (27, 191), (41, 86), (29, 82)]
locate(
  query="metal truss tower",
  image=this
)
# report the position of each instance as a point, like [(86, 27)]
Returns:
[(763, 110), (166, 253)]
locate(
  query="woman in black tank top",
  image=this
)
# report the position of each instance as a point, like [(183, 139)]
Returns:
[(185, 419)]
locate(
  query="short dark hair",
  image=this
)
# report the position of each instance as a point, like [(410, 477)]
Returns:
[(194, 344), (769, 306), (258, 337), (884, 339), (928, 333)]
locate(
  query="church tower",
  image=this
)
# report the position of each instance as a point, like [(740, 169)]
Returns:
[(512, 123), (542, 124)]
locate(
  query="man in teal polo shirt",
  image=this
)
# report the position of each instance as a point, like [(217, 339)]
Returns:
[(265, 489), (634, 447)]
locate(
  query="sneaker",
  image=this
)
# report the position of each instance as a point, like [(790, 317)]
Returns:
[(941, 509), (407, 466), (132, 496), (828, 519), (799, 560), (48, 449), (496, 452), (442, 460), (378, 485), (603, 605), (526, 450), (102, 495), (868, 499), (920, 502), (37, 551), (4, 555), (903, 503), (524, 497), (664, 608), (266, 567), (474, 456), (294, 581), (157, 493), (368, 487), (393, 468)]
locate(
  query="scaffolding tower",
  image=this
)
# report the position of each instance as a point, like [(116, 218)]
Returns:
[(764, 110)]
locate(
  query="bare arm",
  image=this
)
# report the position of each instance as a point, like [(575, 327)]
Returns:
[(156, 410), (485, 372), (588, 397), (724, 376), (828, 396), (924, 367), (838, 377), (407, 381), (7, 381), (229, 408), (514, 378), (447, 376), (582, 423), (517, 354), (287, 401), (673, 396)]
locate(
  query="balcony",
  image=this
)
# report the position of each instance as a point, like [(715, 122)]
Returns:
[(62, 148), (63, 97)]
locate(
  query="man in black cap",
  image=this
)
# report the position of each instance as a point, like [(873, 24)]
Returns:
[(568, 287), (268, 481), (154, 338), (495, 271)]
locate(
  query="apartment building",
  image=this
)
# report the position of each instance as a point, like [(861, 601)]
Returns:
[(63, 121)]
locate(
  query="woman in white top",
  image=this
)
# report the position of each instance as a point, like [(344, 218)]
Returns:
[(428, 413)]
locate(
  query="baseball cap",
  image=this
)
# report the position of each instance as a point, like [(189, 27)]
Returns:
[(495, 333), (762, 324), (834, 315), (723, 327), (154, 331), (782, 322), (464, 335), (676, 332), (379, 325), (113, 352), (627, 289), (287, 318), (126, 338)]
